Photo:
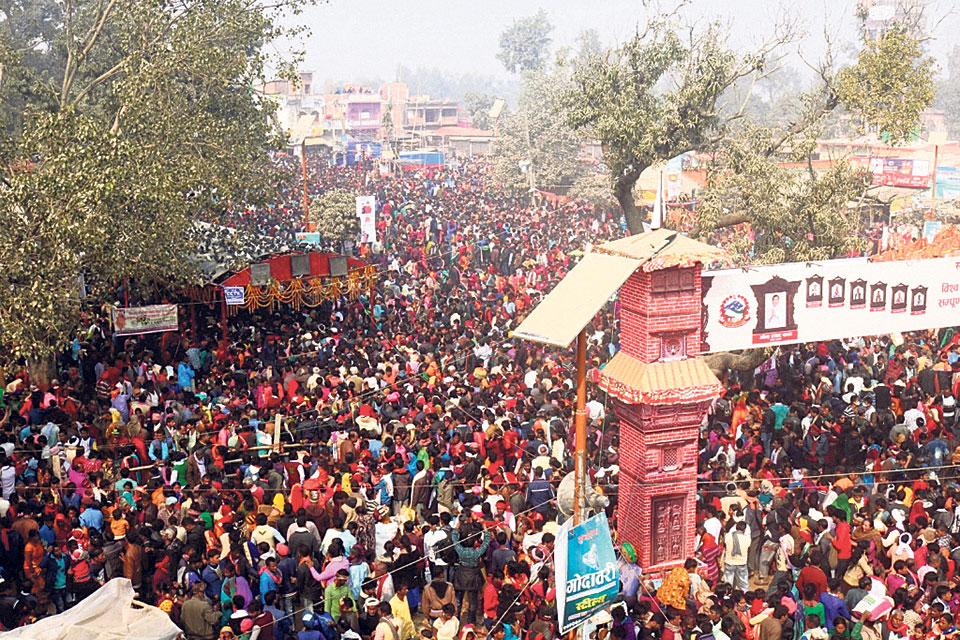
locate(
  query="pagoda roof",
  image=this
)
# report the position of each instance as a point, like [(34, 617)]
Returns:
[(636, 382)]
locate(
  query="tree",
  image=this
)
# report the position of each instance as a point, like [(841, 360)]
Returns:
[(948, 93), (620, 99), (860, 86), (124, 121), (891, 83), (534, 148), (588, 45), (795, 213), (523, 45), (658, 96), (478, 106), (336, 215)]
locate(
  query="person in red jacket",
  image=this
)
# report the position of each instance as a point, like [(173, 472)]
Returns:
[(813, 574), (841, 539)]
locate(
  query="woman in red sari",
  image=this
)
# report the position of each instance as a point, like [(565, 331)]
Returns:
[(709, 554)]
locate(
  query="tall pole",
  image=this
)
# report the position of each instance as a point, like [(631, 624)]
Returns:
[(933, 190), (306, 196), (223, 319), (580, 422)]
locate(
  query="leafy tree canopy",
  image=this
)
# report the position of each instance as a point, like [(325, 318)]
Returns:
[(335, 214), (122, 122), (534, 147), (891, 83), (524, 45)]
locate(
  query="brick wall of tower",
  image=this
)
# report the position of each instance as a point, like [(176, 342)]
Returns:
[(643, 316), (645, 432)]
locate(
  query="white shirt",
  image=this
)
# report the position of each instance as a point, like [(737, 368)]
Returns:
[(910, 418), (530, 379), (714, 527), (8, 480), (384, 531), (431, 540)]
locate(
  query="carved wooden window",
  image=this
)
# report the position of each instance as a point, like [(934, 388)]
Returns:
[(672, 281), (673, 347), (670, 458)]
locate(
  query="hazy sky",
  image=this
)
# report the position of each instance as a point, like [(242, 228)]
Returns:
[(366, 39)]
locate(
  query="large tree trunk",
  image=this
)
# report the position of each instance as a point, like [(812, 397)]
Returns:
[(732, 219), (623, 191), (42, 370), (739, 360)]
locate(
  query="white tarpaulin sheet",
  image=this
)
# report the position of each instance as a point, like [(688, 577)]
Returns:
[(572, 304), (107, 614)]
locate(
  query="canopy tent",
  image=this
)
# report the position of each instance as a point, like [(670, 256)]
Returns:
[(109, 613)]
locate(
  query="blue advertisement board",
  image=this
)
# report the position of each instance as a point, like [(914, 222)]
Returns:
[(588, 578)]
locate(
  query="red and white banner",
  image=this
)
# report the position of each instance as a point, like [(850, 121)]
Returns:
[(807, 302), (151, 319)]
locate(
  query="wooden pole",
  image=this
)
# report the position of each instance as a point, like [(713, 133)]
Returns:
[(933, 190), (580, 422), (373, 319)]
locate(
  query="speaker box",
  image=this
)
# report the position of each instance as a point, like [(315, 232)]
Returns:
[(259, 275), (299, 265), (338, 266)]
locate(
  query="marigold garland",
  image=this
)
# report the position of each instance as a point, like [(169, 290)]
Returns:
[(311, 293)]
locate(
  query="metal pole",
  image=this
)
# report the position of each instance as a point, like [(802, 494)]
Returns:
[(306, 197), (223, 319), (580, 422)]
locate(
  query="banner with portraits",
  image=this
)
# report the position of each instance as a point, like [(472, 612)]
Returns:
[(156, 318), (806, 302)]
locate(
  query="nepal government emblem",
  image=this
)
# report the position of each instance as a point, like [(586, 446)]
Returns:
[(734, 312)]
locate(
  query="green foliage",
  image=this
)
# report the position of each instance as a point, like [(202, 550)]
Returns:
[(123, 121), (890, 85), (335, 214), (594, 187), (523, 45), (796, 214), (478, 106), (588, 44), (624, 100), (534, 146)]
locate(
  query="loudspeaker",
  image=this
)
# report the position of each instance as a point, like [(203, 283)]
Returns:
[(299, 265), (259, 275), (338, 266)]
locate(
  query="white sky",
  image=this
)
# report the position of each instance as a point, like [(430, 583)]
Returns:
[(368, 39)]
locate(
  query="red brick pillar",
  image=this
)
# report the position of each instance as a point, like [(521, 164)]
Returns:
[(661, 390)]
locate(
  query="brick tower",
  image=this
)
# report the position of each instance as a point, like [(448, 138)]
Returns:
[(661, 390)]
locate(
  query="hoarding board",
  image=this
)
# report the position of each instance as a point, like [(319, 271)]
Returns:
[(806, 302)]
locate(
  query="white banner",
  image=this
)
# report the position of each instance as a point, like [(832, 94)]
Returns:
[(151, 319), (806, 302), (367, 212)]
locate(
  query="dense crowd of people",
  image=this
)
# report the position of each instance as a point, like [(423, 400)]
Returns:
[(388, 469), (409, 488)]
